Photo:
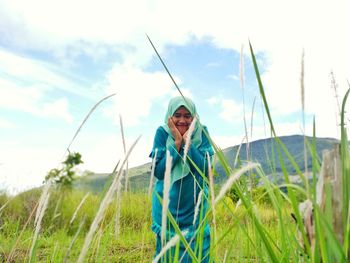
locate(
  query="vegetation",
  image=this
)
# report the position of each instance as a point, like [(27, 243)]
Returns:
[(65, 176), (139, 176), (135, 242), (48, 224)]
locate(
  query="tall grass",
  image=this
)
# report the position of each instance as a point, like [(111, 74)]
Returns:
[(321, 251), (166, 199), (257, 229), (150, 187), (103, 206), (286, 247)]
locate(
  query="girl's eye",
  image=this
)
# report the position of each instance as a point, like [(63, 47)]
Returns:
[(187, 116)]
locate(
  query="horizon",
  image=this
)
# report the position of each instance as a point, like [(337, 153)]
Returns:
[(83, 173), (88, 173)]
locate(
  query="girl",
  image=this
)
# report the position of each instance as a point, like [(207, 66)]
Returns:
[(186, 181)]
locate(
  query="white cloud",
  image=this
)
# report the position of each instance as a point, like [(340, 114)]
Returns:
[(227, 141), (103, 154), (213, 100), (230, 110), (233, 76), (25, 167), (6, 124), (185, 91), (123, 28), (32, 100), (59, 109), (121, 25), (136, 90), (21, 72), (96, 28), (213, 65)]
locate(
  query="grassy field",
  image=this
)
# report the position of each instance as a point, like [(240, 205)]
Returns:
[(135, 242), (51, 225)]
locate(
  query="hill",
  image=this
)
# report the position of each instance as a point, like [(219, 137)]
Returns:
[(260, 151), (264, 152)]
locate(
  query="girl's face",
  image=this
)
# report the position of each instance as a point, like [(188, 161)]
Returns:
[(182, 119)]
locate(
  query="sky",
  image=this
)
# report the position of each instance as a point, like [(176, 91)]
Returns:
[(59, 58)]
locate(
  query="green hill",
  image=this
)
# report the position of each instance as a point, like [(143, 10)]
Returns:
[(259, 151), (95, 182), (264, 152)]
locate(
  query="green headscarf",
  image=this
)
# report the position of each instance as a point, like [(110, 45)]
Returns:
[(181, 168)]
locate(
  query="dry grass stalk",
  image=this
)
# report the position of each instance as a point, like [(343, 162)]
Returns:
[(150, 188), (212, 194), (196, 210), (166, 68), (234, 177), (42, 199), (118, 208), (331, 174), (334, 86), (4, 205), (87, 116), (238, 204), (78, 208), (9, 258), (103, 206), (305, 209), (189, 135), (302, 90), (302, 83), (172, 242), (118, 202), (241, 67), (241, 74), (166, 190), (124, 147), (56, 213), (252, 118), (38, 225), (225, 255), (98, 245), (66, 257), (237, 153), (53, 254)]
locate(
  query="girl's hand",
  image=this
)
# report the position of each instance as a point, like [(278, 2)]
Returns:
[(176, 134), (184, 137)]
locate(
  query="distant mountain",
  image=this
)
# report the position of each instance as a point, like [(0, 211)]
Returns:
[(262, 151), (265, 152), (96, 182)]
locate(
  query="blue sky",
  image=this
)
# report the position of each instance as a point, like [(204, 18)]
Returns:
[(58, 60)]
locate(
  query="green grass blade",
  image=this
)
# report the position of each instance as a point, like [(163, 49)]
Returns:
[(345, 156), (335, 247), (285, 150)]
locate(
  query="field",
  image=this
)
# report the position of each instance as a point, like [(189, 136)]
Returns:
[(250, 222), (61, 240)]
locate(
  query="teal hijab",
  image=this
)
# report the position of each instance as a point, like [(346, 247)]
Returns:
[(181, 168)]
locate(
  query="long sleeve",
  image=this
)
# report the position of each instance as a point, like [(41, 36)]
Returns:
[(160, 144), (198, 155), (184, 191)]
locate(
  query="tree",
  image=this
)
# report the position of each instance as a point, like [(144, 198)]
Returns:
[(66, 175)]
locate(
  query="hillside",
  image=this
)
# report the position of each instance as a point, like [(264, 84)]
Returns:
[(264, 152), (138, 177), (260, 151)]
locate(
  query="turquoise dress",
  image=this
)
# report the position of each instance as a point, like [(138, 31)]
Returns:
[(183, 195)]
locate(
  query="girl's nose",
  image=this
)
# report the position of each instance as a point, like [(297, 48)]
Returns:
[(182, 119)]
